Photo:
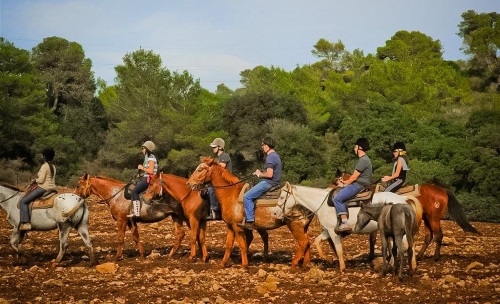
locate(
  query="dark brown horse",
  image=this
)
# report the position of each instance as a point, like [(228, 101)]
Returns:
[(110, 191), (436, 202), (228, 189)]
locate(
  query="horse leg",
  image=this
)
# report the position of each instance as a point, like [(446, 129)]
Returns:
[(202, 242), (337, 244), (302, 242), (179, 235), (384, 253), (436, 229), (228, 246), (135, 235), (194, 234), (64, 230), (121, 227), (83, 231), (240, 238), (264, 235), (15, 239), (248, 238), (427, 239), (398, 240), (373, 240), (411, 260), (317, 243)]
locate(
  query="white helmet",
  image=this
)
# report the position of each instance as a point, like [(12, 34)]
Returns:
[(218, 142), (149, 145)]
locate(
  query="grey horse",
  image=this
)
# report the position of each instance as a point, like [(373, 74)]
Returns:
[(68, 211)]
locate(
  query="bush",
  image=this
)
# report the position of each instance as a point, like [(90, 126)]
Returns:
[(480, 208)]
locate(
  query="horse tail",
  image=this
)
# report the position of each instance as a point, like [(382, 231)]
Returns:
[(410, 221), (458, 215), (77, 206)]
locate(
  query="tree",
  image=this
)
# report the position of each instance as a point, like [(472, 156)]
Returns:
[(404, 46), (481, 34)]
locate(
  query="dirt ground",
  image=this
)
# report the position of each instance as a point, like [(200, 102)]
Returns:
[(468, 271)]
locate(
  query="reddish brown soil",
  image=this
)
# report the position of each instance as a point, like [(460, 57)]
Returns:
[(159, 279)]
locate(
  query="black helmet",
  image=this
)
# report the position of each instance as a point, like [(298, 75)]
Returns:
[(269, 141), (48, 154), (399, 146), (363, 144)]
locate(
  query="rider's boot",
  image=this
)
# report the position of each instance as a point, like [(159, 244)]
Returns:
[(136, 212)]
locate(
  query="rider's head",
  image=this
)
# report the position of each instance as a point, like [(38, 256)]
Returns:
[(149, 145), (218, 143), (48, 154), (269, 141), (362, 144)]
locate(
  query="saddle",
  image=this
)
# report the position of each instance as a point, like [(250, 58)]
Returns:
[(44, 202), (268, 199), (362, 198)]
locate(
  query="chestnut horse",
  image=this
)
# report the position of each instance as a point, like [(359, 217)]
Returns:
[(110, 191), (194, 210), (193, 207), (436, 202), (227, 189)]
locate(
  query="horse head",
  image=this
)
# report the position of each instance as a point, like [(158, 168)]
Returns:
[(83, 186), (366, 214), (202, 174), (155, 188), (286, 200)]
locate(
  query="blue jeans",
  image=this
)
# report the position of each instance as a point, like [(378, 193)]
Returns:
[(344, 195), (141, 186), (25, 202), (250, 197), (214, 203)]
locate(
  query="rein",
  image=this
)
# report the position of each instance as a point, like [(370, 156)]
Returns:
[(10, 197), (88, 187), (290, 192), (233, 184)]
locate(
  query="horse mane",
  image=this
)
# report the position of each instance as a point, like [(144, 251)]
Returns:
[(109, 179), (174, 177), (11, 187), (226, 175)]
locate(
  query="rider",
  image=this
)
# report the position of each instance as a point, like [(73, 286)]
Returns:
[(358, 180), (149, 167), (401, 162), (271, 177), (45, 181), (224, 161)]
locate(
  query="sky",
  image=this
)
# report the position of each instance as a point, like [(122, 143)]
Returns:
[(215, 40)]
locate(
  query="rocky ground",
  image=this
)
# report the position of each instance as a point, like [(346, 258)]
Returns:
[(468, 271)]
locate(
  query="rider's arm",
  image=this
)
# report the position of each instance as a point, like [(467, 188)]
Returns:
[(42, 174), (150, 169), (268, 174), (352, 179)]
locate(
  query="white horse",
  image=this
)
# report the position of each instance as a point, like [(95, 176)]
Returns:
[(68, 211), (315, 199)]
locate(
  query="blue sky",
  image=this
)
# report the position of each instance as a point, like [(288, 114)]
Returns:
[(216, 40)]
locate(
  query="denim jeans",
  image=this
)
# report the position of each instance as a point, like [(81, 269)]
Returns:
[(344, 195), (250, 197), (141, 186), (25, 202), (214, 203)]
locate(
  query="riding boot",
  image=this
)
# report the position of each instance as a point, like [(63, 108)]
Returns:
[(213, 215), (136, 212)]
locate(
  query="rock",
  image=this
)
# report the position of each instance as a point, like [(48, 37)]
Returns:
[(107, 268), (154, 226), (262, 273), (377, 264), (450, 279), (474, 265)]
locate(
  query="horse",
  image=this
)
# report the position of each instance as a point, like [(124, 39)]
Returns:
[(228, 189), (315, 200), (192, 211), (394, 221), (108, 190), (68, 211), (436, 202)]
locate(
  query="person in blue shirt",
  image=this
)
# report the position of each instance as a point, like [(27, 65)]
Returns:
[(268, 178)]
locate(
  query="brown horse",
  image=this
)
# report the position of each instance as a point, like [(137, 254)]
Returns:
[(193, 208), (227, 189), (110, 191), (436, 202)]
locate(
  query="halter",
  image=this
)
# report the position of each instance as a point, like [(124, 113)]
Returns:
[(290, 192)]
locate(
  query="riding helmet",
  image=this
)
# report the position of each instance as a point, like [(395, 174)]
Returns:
[(149, 145), (363, 144), (400, 146), (218, 142), (267, 140), (48, 154)]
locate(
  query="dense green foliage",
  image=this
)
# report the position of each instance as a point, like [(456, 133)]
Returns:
[(447, 113)]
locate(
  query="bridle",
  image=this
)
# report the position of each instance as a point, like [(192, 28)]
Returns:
[(209, 173), (88, 188)]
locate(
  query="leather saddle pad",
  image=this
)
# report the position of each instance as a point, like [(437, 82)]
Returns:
[(268, 199)]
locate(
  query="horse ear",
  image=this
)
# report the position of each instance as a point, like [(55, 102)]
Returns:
[(86, 176), (339, 173)]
